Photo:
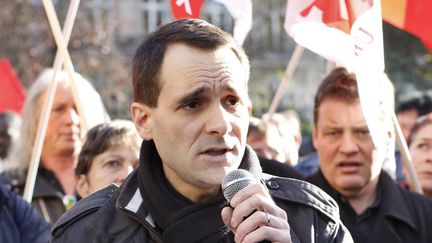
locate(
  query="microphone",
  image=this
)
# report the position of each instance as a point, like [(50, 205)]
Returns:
[(236, 180)]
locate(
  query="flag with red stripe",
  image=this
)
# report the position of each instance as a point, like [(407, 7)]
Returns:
[(413, 16)]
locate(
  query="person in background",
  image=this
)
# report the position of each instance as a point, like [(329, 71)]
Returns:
[(110, 152), (192, 109), (372, 206), (19, 221), (420, 147), (54, 189), (408, 110), (266, 140), (267, 143), (276, 137), (309, 164), (9, 132), (288, 125), (412, 107)]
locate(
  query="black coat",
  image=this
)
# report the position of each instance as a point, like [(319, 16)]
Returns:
[(122, 215), (277, 168), (112, 215), (403, 216)]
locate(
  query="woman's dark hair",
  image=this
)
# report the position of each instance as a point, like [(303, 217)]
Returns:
[(103, 137)]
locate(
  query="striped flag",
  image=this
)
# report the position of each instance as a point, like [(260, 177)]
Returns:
[(413, 16)]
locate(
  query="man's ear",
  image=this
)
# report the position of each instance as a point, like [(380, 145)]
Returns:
[(314, 136), (141, 118), (82, 186)]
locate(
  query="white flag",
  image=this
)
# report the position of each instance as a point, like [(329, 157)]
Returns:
[(349, 33), (241, 11)]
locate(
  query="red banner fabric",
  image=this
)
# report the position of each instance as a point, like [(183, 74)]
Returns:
[(186, 8), (418, 20), (12, 93), (413, 16)]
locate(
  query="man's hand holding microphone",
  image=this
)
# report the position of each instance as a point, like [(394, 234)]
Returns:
[(252, 216)]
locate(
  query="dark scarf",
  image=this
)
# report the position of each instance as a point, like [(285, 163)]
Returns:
[(178, 218)]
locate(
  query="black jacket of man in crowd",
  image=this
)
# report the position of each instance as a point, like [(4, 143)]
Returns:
[(146, 208)]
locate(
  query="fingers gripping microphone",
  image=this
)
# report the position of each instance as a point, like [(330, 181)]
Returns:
[(236, 180)]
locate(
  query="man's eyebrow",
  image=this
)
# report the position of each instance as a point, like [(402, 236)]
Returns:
[(192, 95), (230, 88)]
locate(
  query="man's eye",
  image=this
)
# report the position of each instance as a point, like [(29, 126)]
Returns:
[(192, 105), (363, 133), (232, 101), (332, 133)]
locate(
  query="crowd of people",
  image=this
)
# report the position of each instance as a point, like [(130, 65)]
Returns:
[(158, 176)]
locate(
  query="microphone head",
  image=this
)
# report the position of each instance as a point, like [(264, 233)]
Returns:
[(236, 180)]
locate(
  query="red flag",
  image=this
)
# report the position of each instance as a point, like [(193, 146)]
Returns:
[(186, 8), (413, 16), (12, 93)]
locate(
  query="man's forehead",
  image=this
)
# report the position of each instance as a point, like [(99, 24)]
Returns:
[(196, 67), (330, 116)]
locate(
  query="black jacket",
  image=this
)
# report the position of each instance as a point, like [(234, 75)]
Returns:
[(121, 215), (403, 216), (277, 168)]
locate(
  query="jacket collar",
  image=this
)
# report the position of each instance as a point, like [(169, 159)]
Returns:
[(47, 185), (129, 220), (393, 205)]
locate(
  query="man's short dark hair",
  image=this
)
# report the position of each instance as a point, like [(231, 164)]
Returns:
[(149, 56), (339, 84)]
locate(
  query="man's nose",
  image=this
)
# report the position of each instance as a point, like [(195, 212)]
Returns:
[(219, 120), (348, 144)]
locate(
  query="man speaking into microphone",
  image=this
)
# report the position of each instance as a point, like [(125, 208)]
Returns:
[(191, 107)]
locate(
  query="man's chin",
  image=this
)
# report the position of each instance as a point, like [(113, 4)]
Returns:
[(350, 186)]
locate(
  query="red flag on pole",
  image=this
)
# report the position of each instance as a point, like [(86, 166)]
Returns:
[(12, 93), (186, 8), (414, 17)]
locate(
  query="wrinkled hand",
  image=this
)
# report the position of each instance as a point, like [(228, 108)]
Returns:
[(254, 217)]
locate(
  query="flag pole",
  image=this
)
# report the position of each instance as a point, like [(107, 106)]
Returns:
[(289, 71), (61, 45), (40, 135), (406, 157)]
